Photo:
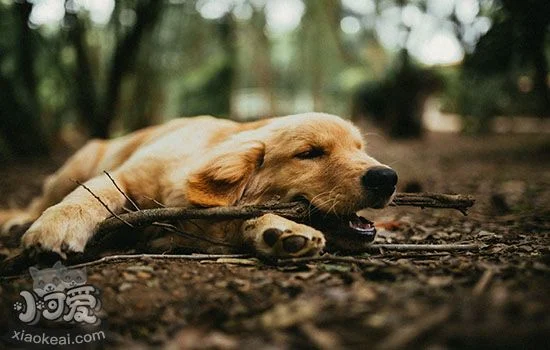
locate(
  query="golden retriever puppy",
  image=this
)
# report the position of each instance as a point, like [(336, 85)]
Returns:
[(206, 162)]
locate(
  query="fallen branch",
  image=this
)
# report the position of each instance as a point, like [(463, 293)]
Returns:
[(293, 210), (298, 211), (459, 202)]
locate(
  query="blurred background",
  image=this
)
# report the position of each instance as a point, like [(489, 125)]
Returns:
[(75, 69)]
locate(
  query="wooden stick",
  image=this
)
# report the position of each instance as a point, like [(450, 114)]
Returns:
[(459, 202), (294, 210)]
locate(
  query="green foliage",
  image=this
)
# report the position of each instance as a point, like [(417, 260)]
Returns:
[(207, 90), (158, 59)]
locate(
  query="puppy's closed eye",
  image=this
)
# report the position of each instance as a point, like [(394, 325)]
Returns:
[(311, 153)]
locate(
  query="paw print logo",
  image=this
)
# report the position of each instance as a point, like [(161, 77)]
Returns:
[(18, 306), (40, 305)]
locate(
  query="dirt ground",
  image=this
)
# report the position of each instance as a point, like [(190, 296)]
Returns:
[(495, 297)]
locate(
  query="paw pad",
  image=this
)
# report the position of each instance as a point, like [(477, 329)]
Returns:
[(294, 244), (276, 236), (18, 306), (271, 236)]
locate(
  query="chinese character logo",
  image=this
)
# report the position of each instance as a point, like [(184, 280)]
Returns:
[(59, 293)]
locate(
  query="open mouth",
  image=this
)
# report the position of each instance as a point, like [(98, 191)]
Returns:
[(350, 234), (351, 228), (362, 228)]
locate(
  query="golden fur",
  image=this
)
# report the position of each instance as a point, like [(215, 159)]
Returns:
[(204, 162)]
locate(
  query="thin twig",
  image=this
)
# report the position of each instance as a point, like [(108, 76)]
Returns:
[(369, 261), (122, 257), (327, 258), (122, 220), (174, 229), (154, 201), (126, 210), (166, 226), (483, 282), (234, 261), (434, 247), (121, 191)]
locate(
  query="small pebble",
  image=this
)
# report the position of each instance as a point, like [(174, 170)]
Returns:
[(124, 286)]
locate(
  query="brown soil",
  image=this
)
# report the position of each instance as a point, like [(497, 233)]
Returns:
[(495, 297)]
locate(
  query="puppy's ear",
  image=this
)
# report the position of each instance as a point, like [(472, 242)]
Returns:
[(222, 180)]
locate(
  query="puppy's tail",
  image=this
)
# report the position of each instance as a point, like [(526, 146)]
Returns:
[(10, 218)]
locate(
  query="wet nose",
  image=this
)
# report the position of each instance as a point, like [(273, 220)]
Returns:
[(380, 178)]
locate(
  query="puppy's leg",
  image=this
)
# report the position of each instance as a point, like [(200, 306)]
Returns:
[(275, 236), (81, 167), (68, 225)]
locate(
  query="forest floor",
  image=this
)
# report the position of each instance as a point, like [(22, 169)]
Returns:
[(494, 297)]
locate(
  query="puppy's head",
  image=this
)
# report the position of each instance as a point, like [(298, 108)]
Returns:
[(321, 158), (318, 157)]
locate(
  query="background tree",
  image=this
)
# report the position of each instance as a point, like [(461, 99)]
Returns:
[(99, 107)]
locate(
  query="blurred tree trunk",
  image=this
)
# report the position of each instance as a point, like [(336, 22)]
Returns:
[(87, 101), (226, 76), (315, 50), (333, 13), (27, 53), (324, 51), (262, 52), (540, 64), (147, 14), (541, 80), (532, 22), (19, 125), (405, 100), (98, 110), (20, 122), (147, 98)]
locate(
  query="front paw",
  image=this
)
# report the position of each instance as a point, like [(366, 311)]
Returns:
[(275, 236), (61, 229)]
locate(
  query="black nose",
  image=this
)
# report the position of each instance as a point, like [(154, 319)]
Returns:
[(380, 178)]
